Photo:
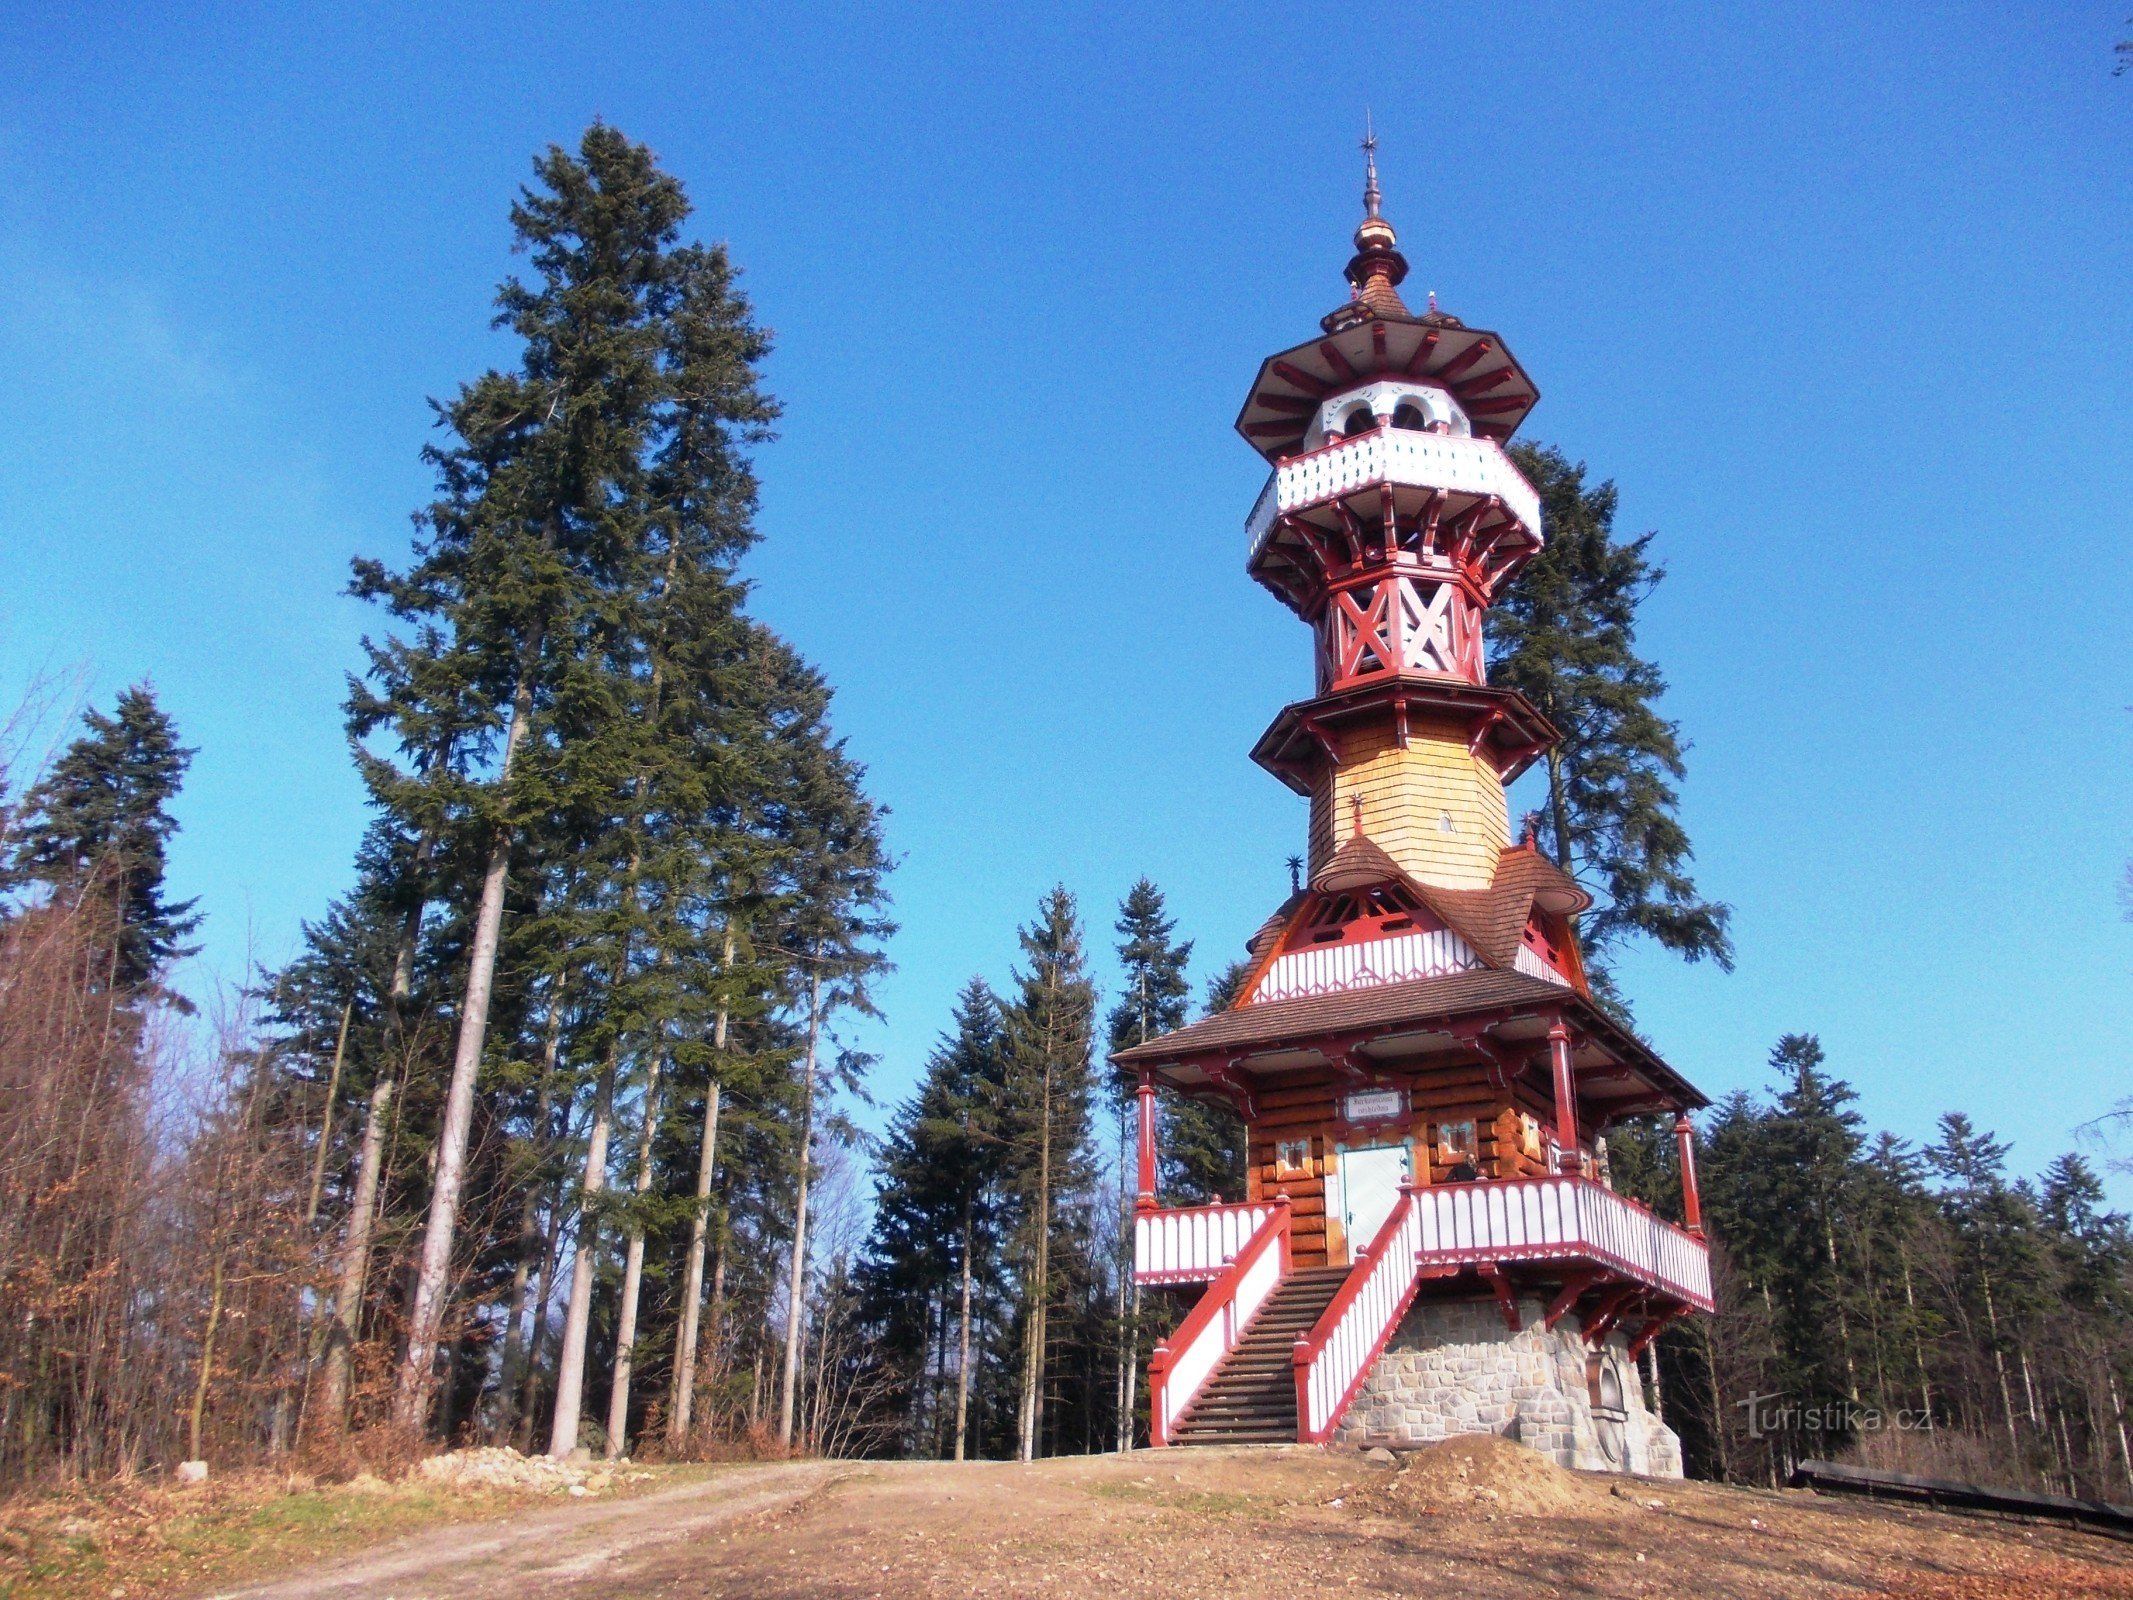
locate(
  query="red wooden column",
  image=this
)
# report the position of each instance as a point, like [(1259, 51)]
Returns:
[(1145, 1095), (1691, 1201), (1566, 1100)]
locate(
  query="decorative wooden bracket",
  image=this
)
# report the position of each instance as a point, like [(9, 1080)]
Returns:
[(1602, 1321), (1574, 1284), (1506, 1301), (1234, 1084), (1653, 1328)]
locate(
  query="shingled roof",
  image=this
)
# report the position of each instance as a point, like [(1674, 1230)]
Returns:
[(1277, 1023)]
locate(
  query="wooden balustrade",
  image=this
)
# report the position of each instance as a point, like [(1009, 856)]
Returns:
[(1561, 1219), (1192, 1244), (1183, 1363), (1334, 1357)]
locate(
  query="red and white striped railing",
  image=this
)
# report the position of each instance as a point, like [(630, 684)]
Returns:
[(1561, 1219), (1181, 1365), (1192, 1244), (1335, 1356)]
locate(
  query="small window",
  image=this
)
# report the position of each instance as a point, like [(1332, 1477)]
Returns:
[(1409, 415), (1445, 823), (1361, 420), (1455, 1140), (1291, 1157)]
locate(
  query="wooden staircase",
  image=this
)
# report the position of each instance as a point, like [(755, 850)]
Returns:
[(1251, 1398)]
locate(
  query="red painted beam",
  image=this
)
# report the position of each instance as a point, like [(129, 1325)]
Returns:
[(1303, 380), (1482, 384), (1334, 359), (1465, 359), (1418, 363)]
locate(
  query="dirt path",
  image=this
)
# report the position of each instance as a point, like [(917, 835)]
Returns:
[(550, 1551), (1209, 1525)]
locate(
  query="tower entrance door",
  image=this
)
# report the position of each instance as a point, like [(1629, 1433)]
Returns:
[(1370, 1188)]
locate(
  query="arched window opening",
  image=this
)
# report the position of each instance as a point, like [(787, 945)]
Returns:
[(1409, 415), (1361, 420)]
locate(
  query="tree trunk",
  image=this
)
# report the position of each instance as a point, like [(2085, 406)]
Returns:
[(1999, 1356), (511, 1373), (207, 1362), (1918, 1345), (962, 1361), (426, 1310), (796, 1278), (683, 1400), (325, 1121), (618, 1395), (1032, 1409), (355, 1262), (570, 1363)]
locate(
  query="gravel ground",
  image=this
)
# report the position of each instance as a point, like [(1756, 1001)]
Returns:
[(1201, 1524)]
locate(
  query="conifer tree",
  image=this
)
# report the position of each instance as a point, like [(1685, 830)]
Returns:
[(99, 823), (933, 1254), (1565, 636), (1050, 1032), (1153, 995), (1200, 1144), (572, 483)]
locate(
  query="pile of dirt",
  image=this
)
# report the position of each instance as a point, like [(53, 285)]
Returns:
[(505, 1469), (1481, 1473)]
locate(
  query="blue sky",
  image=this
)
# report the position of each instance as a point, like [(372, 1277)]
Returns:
[(1837, 295)]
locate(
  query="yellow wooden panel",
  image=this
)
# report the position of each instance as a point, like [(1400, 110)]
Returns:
[(1409, 795)]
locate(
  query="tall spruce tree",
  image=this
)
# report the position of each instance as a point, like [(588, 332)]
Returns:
[(1050, 1031), (570, 485), (1200, 1144), (933, 1256), (1153, 994), (1565, 636), (98, 824)]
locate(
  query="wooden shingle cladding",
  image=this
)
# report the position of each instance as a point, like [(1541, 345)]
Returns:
[(1433, 804)]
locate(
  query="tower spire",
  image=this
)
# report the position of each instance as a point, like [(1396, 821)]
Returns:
[(1372, 199), (1375, 270)]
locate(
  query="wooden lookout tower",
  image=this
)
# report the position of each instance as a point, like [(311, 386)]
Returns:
[(1428, 1244)]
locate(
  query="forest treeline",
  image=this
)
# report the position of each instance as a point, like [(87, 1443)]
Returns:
[(545, 1135)]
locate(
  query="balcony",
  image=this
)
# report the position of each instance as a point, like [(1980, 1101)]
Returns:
[(1569, 1221), (1401, 457), (1565, 1219)]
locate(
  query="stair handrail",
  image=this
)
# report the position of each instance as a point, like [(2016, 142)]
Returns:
[(1180, 1365), (1191, 1244), (1332, 1360)]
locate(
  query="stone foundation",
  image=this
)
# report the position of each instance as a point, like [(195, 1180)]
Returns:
[(1453, 1367)]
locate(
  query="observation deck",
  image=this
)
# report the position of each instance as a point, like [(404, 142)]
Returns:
[(1414, 465)]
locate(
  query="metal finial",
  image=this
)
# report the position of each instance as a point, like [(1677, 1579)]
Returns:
[(1356, 801), (1371, 197), (1296, 867)]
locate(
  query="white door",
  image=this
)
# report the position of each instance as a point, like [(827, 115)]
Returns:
[(1370, 1188)]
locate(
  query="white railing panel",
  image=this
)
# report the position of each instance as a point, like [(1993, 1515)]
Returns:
[(1361, 1326), (1560, 1218), (1192, 1245), (1335, 969), (1397, 456)]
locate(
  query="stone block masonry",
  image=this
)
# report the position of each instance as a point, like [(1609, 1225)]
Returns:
[(1453, 1367)]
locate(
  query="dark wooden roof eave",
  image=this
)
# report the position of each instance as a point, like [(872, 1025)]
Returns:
[(1388, 1010), (1363, 350), (1517, 731)]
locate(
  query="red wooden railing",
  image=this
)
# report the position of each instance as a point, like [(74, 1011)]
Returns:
[(1336, 1355), (1183, 1363), (1192, 1244)]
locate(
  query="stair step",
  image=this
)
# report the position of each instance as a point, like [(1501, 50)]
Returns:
[(1251, 1397)]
